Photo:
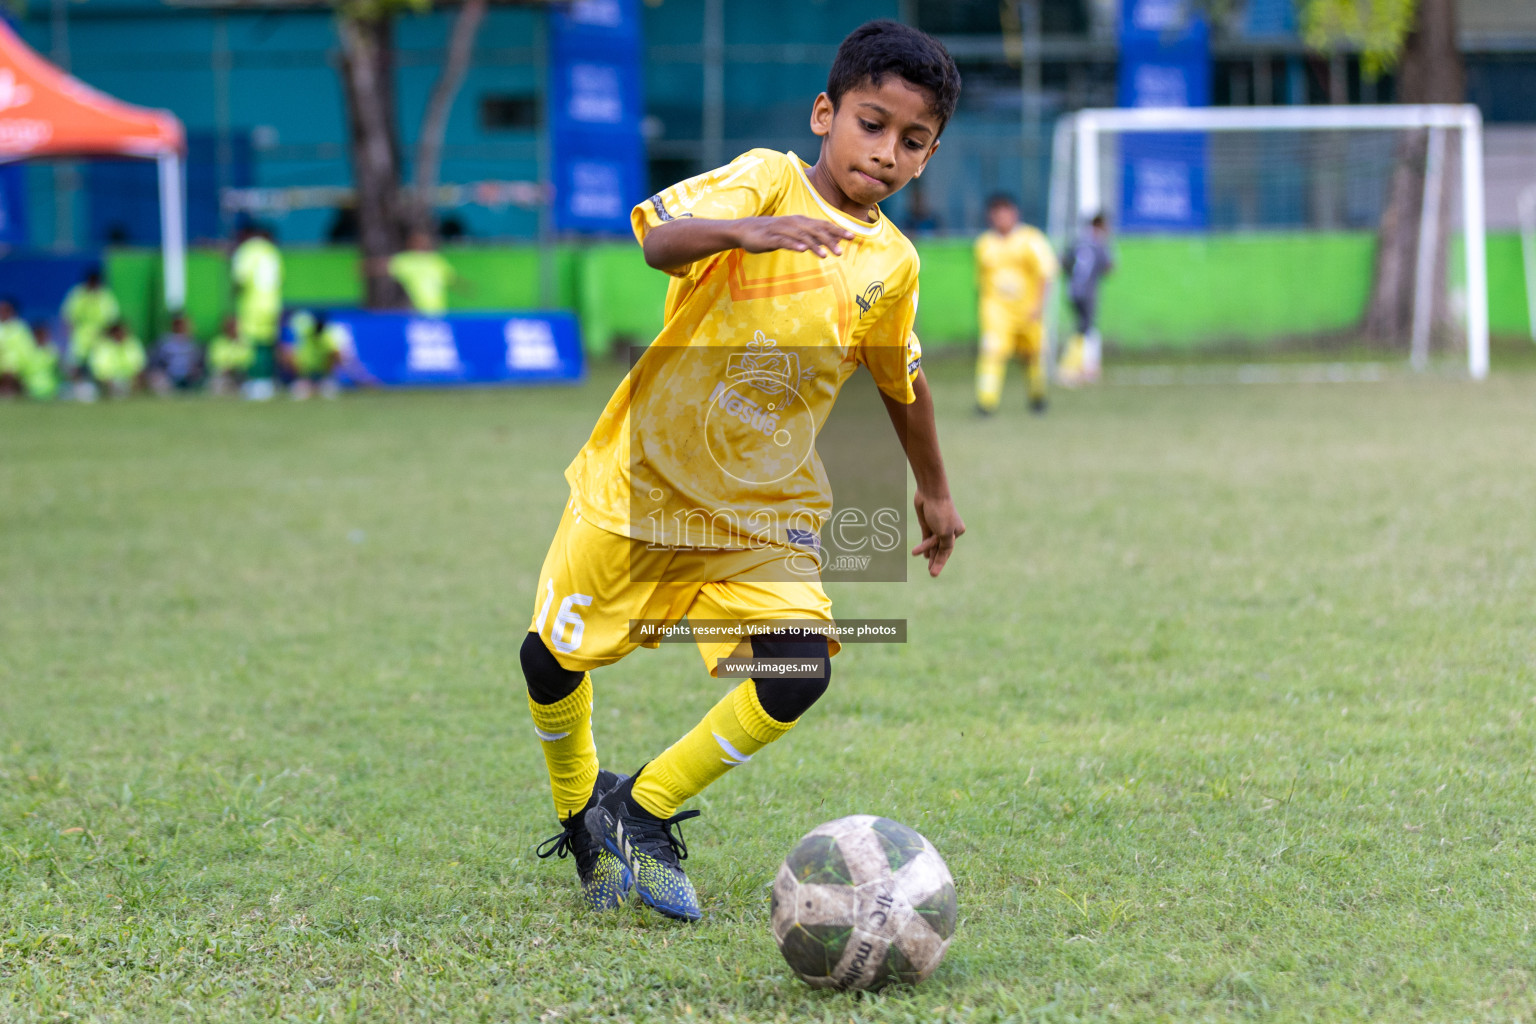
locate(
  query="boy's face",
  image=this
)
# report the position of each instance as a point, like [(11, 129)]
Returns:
[(1002, 217), (878, 139)]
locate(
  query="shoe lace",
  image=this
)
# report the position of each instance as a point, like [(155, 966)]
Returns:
[(560, 845), (656, 836)]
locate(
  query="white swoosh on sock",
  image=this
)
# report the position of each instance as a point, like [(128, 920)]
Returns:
[(549, 737), (734, 756)]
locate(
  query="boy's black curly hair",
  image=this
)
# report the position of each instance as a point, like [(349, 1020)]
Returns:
[(879, 48)]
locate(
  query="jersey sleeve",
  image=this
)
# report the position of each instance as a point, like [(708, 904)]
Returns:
[(891, 351), (1045, 256), (749, 186)]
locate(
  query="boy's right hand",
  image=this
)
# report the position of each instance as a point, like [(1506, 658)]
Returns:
[(795, 232)]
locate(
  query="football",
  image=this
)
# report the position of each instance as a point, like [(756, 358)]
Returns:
[(861, 902)]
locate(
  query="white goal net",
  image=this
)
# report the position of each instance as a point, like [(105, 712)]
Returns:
[(1280, 222)]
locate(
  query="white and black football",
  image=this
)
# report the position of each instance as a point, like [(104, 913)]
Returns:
[(861, 902)]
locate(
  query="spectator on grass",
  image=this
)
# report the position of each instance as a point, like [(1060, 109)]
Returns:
[(424, 274), (40, 376), (89, 309), (16, 347), (314, 356), (117, 361), (177, 362), (229, 359), (256, 274)]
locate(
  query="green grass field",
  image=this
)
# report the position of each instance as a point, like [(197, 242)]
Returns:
[(1220, 713)]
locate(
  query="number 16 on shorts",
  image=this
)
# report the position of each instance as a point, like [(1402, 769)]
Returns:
[(565, 635)]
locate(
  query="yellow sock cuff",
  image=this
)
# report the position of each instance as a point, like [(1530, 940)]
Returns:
[(566, 712), (756, 722)]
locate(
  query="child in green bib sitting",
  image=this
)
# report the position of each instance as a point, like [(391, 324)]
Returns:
[(229, 359), (314, 355), (117, 361)]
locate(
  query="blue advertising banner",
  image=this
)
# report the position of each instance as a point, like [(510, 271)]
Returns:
[(403, 349), (595, 109), (38, 282), (1165, 61), (13, 205)]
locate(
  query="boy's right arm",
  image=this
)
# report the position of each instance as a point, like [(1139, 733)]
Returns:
[(677, 243)]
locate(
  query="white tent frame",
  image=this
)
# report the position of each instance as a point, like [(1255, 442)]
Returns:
[(1077, 138), (173, 230), (173, 217)]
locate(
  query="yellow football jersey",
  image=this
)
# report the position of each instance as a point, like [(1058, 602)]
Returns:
[(1015, 267), (710, 440)]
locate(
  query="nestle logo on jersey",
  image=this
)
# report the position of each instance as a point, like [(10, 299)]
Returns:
[(745, 409), (870, 297)]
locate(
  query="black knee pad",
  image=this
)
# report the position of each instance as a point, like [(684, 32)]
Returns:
[(787, 699), (548, 681)]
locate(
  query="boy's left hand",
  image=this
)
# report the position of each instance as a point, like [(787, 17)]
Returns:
[(941, 524)]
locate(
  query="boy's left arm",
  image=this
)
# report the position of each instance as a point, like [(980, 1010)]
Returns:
[(919, 436)]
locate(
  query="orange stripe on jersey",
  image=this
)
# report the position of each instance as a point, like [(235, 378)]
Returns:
[(743, 287)]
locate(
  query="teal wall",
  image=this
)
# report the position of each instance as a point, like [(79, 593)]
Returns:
[(1166, 292), (283, 85)]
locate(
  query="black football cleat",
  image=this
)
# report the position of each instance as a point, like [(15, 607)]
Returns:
[(649, 848), (605, 881)]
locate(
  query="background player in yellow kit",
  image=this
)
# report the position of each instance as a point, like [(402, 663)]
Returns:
[(699, 492), (1014, 269)]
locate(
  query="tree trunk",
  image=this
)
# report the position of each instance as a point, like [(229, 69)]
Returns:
[(434, 123), (1430, 71), (368, 76)]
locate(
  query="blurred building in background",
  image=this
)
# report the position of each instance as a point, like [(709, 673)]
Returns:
[(260, 96)]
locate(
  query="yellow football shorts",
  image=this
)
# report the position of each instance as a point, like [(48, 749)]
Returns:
[(1006, 332), (589, 593)]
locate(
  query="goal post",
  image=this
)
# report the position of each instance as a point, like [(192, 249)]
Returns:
[(1081, 177)]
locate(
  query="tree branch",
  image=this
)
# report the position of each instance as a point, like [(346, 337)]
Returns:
[(434, 122)]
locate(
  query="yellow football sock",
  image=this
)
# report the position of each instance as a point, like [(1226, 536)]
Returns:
[(991, 366), (1034, 363), (570, 754), (1034, 368), (1071, 367), (734, 730)]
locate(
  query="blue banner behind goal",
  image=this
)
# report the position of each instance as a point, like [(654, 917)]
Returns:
[(1165, 61), (404, 349)]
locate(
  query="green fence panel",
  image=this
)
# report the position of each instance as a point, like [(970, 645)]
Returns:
[(1167, 292), (946, 308), (1508, 311), (134, 277), (508, 277), (621, 299), (1187, 291)]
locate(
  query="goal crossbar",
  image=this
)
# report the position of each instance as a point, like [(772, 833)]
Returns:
[(1082, 131)]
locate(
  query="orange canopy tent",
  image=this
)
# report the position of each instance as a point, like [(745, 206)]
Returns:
[(45, 112)]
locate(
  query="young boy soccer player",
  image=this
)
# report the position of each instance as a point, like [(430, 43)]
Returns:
[(1014, 267), (698, 493), (1089, 261)]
